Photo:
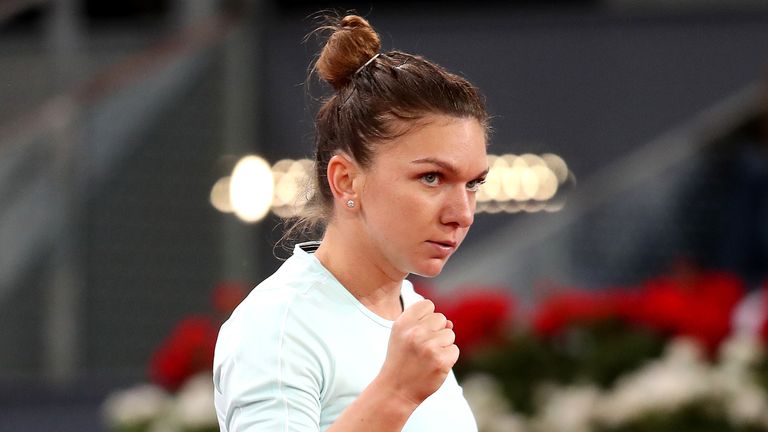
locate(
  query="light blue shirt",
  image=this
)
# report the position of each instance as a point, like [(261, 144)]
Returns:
[(301, 348)]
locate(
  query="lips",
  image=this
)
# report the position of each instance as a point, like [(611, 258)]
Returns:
[(445, 243), (442, 248)]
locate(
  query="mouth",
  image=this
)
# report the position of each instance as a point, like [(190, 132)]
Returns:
[(442, 248), (444, 243)]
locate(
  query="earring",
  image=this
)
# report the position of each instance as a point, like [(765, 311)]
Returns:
[(350, 203)]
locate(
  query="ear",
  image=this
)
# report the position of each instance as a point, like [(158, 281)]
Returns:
[(342, 173)]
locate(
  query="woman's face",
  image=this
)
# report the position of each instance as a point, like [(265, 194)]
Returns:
[(418, 196)]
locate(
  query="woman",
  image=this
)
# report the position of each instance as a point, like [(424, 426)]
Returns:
[(337, 340)]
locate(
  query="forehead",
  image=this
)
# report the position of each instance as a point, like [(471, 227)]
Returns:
[(455, 140)]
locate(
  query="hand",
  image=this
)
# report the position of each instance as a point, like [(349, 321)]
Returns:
[(420, 353)]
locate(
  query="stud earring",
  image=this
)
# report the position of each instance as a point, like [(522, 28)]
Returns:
[(350, 203)]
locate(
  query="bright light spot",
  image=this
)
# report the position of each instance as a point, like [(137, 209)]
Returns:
[(277, 177), (292, 185), (554, 206), (557, 165), (251, 188), (547, 183), (285, 211), (220, 195), (289, 186), (493, 207), (509, 159), (532, 160), (500, 162), (491, 160), (529, 182), (282, 165), (522, 183), (308, 165), (511, 207), (293, 181), (533, 207), (482, 194), (511, 182), (491, 190)]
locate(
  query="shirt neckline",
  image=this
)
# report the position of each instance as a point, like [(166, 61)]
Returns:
[(307, 251)]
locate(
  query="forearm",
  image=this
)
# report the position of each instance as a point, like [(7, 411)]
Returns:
[(377, 409)]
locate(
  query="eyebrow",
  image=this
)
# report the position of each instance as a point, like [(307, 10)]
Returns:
[(445, 165)]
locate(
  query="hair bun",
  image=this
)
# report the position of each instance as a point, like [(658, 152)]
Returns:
[(352, 43)]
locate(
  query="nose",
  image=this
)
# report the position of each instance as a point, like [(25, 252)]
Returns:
[(460, 208)]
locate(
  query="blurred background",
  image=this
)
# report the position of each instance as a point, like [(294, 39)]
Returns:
[(149, 150)]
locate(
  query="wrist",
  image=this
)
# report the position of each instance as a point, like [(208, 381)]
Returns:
[(394, 397), (379, 408)]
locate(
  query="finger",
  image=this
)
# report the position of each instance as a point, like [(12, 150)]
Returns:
[(434, 321), (418, 310), (451, 353), (444, 337), (449, 324)]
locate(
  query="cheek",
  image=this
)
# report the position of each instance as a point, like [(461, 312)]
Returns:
[(400, 210)]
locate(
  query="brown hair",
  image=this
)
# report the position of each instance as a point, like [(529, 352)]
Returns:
[(372, 92)]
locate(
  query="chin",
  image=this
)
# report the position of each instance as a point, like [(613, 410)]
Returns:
[(429, 269)]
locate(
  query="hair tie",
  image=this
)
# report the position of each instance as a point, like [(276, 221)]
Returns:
[(367, 63)]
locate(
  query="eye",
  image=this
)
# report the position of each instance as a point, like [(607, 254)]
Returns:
[(430, 179), (474, 185)]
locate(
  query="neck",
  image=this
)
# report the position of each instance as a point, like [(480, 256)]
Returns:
[(357, 265)]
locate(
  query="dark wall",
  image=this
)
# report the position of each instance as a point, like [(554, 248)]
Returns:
[(588, 86), (591, 86)]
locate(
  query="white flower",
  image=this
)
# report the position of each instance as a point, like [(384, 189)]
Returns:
[(683, 351), (744, 401), (194, 407), (136, 405), (508, 422), (667, 384), (490, 407), (747, 406), (567, 409), (740, 351)]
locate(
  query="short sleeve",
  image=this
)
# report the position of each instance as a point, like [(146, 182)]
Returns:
[(268, 375)]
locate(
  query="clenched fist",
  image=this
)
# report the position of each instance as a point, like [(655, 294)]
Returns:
[(420, 353)]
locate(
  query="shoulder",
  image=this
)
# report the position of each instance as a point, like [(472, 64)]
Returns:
[(270, 362), (279, 309), (299, 276), (270, 302)]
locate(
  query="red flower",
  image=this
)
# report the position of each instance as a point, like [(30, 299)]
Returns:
[(699, 306), (561, 310), (480, 317), (187, 351), (692, 303)]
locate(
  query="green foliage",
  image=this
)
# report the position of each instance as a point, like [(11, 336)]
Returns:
[(601, 351), (597, 352), (519, 366), (761, 373)]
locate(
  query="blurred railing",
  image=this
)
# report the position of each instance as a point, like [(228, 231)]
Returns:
[(53, 158), (618, 226), (86, 128)]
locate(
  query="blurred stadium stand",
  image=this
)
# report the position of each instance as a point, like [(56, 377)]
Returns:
[(119, 116)]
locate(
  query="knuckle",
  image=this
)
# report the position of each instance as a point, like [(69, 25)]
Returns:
[(429, 305)]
